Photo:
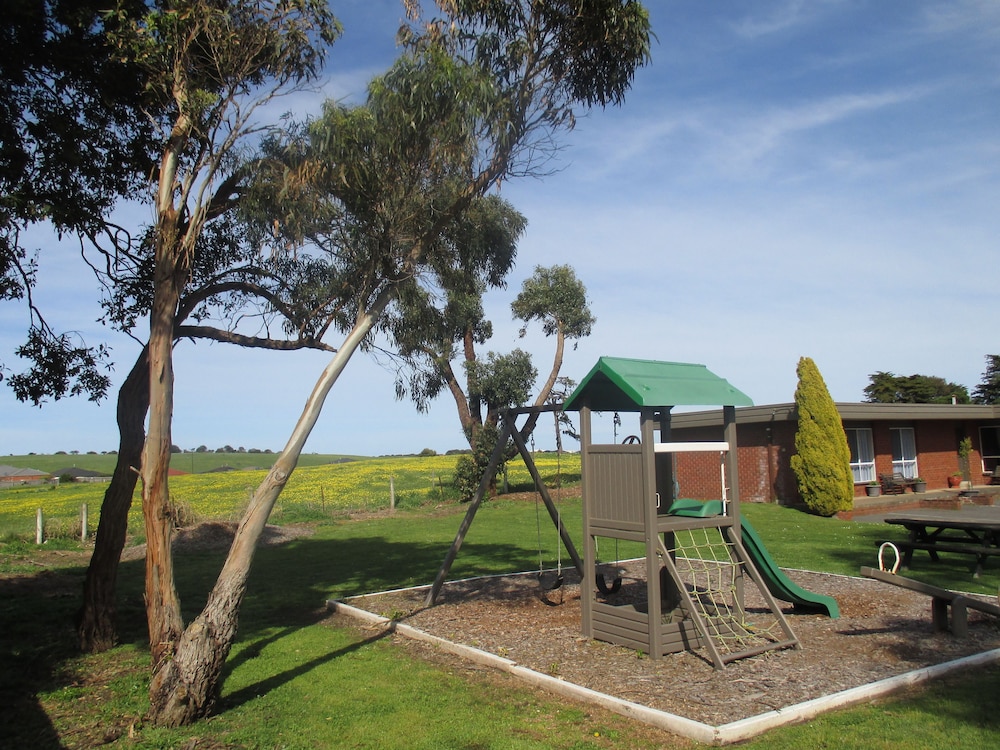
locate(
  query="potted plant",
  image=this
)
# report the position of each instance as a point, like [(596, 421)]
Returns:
[(919, 485), (955, 480), (873, 489)]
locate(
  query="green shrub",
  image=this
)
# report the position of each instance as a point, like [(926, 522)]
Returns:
[(470, 467), (822, 460)]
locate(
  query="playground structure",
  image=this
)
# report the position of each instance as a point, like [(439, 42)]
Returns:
[(699, 557)]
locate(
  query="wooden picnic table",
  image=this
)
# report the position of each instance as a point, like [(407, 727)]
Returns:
[(972, 531)]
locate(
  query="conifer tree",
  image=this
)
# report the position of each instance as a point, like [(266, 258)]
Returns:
[(822, 460)]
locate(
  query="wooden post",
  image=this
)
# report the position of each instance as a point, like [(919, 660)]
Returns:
[(654, 605), (529, 462), (588, 581), (39, 527), (83, 522), (732, 474), (392, 494), (470, 514)]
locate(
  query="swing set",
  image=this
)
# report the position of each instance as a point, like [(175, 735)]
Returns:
[(510, 432), (696, 570)]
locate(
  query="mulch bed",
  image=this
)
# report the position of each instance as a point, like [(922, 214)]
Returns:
[(883, 631)]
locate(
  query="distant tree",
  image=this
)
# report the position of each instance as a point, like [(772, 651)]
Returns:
[(988, 391), (822, 459), (887, 388), (175, 449), (556, 298), (432, 340), (201, 449)]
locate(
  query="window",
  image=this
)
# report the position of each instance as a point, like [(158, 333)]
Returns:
[(859, 439), (904, 452), (989, 444)]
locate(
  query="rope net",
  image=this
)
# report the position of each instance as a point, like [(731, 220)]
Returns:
[(709, 568)]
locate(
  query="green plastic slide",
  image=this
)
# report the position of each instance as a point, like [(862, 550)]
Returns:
[(780, 585)]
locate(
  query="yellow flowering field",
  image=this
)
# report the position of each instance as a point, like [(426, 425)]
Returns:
[(311, 493)]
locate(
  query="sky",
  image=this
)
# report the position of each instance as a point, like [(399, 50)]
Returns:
[(784, 179)]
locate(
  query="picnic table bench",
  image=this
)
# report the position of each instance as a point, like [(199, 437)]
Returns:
[(941, 600), (971, 531)]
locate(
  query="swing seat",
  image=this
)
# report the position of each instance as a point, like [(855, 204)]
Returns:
[(550, 582), (604, 588)]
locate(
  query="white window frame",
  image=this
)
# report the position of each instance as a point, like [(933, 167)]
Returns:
[(904, 452), (862, 447)]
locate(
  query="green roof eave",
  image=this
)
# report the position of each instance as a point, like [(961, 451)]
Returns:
[(620, 384)]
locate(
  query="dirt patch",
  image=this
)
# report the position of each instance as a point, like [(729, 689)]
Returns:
[(218, 535), (883, 631)]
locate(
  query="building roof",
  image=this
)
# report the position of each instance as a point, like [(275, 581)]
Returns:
[(619, 384), (849, 412), (12, 472)]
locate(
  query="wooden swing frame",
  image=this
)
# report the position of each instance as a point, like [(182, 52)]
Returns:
[(508, 419)]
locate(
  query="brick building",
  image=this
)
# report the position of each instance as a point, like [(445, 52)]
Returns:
[(915, 440)]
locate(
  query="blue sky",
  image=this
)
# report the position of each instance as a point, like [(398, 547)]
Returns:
[(785, 179)]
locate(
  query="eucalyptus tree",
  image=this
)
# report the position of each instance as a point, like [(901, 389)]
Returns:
[(213, 65), (94, 95), (433, 327), (480, 96), (432, 339), (76, 134), (234, 295)]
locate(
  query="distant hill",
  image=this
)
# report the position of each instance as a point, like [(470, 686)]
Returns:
[(191, 463)]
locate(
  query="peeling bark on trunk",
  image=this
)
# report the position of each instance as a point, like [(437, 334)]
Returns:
[(96, 627), (163, 613), (187, 681)]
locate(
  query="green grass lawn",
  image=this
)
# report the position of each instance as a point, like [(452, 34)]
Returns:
[(295, 681)]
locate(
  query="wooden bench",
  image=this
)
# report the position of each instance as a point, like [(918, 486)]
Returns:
[(941, 600), (895, 484)]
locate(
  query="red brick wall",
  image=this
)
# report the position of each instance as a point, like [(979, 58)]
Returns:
[(765, 450), (763, 456)]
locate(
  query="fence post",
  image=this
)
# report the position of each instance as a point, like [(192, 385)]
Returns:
[(83, 523), (392, 494), (39, 527)]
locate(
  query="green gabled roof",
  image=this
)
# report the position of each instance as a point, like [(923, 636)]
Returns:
[(618, 384)]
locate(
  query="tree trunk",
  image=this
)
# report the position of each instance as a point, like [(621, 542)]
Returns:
[(96, 627), (543, 395), (186, 686), (162, 603)]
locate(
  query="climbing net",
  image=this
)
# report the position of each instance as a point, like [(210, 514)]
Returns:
[(712, 572)]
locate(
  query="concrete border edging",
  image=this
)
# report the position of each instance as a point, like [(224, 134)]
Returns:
[(724, 734)]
